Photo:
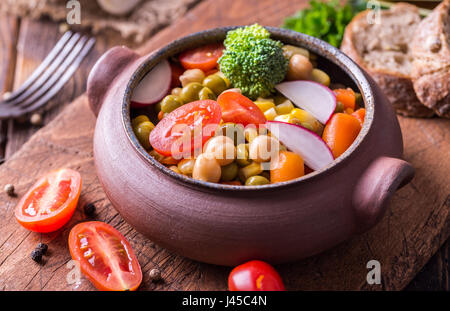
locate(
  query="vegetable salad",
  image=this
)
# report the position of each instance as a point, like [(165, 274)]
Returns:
[(251, 111)]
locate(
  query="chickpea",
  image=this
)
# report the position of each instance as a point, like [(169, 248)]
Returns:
[(206, 168), (250, 133), (192, 75), (263, 148), (222, 149), (300, 68), (186, 166)]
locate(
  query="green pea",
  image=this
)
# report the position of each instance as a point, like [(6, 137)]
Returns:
[(206, 93), (232, 130), (215, 83), (257, 181), (230, 171), (176, 91), (158, 157), (242, 155), (250, 170), (339, 107), (190, 92), (142, 132), (170, 103), (138, 120), (358, 99)]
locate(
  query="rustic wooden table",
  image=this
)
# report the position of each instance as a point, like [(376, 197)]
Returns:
[(23, 45)]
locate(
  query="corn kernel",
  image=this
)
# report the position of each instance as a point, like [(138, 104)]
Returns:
[(285, 107), (264, 105), (270, 114)]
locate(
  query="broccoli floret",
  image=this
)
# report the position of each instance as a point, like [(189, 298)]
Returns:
[(252, 61)]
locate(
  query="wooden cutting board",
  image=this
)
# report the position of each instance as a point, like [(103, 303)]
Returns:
[(414, 227)]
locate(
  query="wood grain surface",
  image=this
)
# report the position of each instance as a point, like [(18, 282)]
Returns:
[(414, 227)]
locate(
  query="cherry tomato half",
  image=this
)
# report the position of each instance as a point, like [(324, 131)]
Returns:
[(105, 256), (204, 57), (239, 109), (186, 128), (255, 275), (50, 202)]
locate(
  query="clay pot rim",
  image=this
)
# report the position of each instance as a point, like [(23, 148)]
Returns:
[(313, 44)]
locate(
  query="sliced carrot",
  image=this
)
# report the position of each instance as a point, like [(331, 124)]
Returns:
[(360, 114), (346, 97), (160, 115), (340, 132), (289, 165)]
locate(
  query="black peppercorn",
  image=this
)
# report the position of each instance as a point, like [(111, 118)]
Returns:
[(43, 247), (36, 255), (89, 209), (155, 275)]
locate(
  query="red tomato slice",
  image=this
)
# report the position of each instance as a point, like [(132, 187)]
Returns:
[(204, 57), (239, 109), (105, 256), (186, 128), (50, 202), (255, 275)]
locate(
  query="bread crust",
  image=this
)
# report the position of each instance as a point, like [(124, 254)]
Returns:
[(431, 64), (397, 87)]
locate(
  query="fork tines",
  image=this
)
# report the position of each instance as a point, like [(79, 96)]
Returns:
[(49, 77)]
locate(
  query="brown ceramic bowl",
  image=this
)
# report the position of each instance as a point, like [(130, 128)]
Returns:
[(227, 225)]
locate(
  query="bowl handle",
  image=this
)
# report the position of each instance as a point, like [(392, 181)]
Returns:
[(376, 187), (105, 71)]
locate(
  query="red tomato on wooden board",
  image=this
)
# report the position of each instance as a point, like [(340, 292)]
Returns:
[(255, 275), (239, 109), (168, 134), (50, 202), (105, 256), (204, 57)]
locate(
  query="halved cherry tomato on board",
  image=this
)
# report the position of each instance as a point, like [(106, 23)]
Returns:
[(50, 202), (105, 256), (186, 128), (204, 57), (239, 109), (255, 275)]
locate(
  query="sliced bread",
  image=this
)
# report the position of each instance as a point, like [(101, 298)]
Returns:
[(431, 64), (382, 48)]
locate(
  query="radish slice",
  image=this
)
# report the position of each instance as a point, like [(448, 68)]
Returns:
[(311, 96), (153, 87), (314, 151)]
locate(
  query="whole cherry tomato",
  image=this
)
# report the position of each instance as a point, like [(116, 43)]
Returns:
[(255, 275)]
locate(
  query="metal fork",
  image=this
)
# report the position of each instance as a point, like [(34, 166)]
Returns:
[(49, 77)]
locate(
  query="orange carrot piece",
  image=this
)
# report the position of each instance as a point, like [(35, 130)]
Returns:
[(346, 97), (160, 115), (340, 132), (360, 114), (288, 166)]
